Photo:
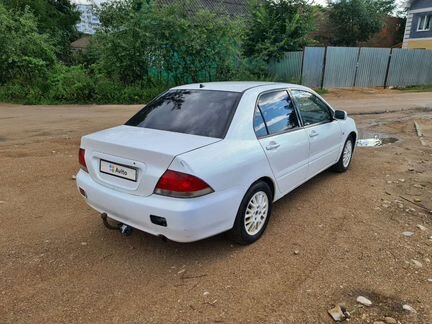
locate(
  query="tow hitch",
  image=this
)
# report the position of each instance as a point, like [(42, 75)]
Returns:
[(124, 229)]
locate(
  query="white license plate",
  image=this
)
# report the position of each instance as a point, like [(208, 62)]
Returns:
[(118, 170)]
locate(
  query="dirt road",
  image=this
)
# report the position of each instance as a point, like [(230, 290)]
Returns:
[(59, 264), (378, 100)]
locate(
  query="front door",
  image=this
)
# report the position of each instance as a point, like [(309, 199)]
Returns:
[(324, 132), (284, 142)]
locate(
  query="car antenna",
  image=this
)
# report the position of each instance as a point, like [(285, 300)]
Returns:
[(201, 85)]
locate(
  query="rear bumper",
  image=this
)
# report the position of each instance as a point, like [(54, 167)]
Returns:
[(187, 220)]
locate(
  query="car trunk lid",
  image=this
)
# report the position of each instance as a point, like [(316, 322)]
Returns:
[(132, 159)]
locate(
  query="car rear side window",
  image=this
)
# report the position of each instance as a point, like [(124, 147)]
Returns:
[(278, 112), (312, 109), (259, 125), (197, 112)]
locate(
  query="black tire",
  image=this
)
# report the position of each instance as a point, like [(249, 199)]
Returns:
[(238, 233), (339, 166)]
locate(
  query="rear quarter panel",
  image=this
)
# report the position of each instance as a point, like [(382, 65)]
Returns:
[(226, 164), (229, 167)]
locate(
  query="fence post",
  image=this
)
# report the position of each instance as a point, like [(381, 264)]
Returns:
[(356, 67), (301, 70), (323, 68), (388, 68)]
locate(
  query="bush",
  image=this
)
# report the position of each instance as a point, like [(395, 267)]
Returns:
[(75, 85), (140, 94), (23, 92), (107, 91), (253, 69), (71, 85)]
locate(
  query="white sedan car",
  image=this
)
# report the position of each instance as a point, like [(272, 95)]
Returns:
[(203, 159)]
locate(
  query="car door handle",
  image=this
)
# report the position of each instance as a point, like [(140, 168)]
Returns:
[(313, 133), (272, 146)]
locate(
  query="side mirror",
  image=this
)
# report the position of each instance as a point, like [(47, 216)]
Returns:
[(340, 114)]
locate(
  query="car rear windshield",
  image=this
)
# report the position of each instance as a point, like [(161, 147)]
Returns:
[(196, 112)]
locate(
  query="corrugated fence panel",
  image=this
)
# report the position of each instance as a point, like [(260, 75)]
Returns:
[(346, 67), (313, 66), (340, 67), (425, 59), (288, 69), (429, 65), (372, 67), (410, 67)]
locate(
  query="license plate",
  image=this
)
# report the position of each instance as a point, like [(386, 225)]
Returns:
[(118, 170)]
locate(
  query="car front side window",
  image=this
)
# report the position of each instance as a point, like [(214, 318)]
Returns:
[(277, 110), (311, 108)]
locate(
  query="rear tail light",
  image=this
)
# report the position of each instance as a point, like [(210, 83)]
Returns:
[(181, 185), (82, 161)]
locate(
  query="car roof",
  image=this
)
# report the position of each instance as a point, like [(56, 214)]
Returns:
[(236, 86)]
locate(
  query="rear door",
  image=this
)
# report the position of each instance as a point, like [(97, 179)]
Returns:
[(322, 129), (282, 138)]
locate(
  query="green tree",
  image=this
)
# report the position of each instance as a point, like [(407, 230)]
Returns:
[(198, 46), (25, 54), (58, 18), (275, 27), (354, 21), (123, 48), (140, 41)]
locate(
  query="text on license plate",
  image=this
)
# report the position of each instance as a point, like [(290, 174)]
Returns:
[(118, 170)]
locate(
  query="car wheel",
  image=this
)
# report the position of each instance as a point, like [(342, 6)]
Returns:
[(346, 156), (253, 214)]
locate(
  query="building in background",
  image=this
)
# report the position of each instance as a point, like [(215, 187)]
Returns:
[(89, 21), (418, 30)]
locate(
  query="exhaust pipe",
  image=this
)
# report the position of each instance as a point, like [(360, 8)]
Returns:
[(126, 230)]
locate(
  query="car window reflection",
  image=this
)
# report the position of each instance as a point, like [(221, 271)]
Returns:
[(311, 108), (196, 112), (278, 111)]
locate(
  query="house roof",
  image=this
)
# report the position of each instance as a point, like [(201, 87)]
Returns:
[(81, 43), (233, 8)]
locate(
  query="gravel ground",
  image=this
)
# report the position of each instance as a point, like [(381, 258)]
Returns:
[(60, 265)]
